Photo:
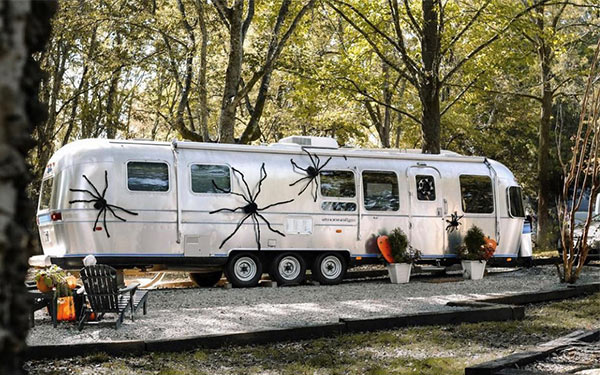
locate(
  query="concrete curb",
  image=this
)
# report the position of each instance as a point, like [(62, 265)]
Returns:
[(515, 361), (484, 310)]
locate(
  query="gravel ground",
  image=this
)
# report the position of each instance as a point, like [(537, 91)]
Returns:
[(581, 359), (179, 313)]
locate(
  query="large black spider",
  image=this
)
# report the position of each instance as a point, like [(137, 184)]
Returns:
[(454, 222), (100, 203), (251, 209), (312, 172)]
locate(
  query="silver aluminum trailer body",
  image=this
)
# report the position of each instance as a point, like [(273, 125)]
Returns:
[(174, 226)]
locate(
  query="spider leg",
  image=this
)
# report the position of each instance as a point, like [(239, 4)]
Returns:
[(256, 231), (269, 225), (92, 185), (263, 176), (245, 183), (104, 221), (97, 218), (82, 200), (275, 204), (114, 214), (296, 165), (311, 158), (318, 161), (230, 192), (122, 209), (307, 185), (315, 193), (85, 191), (226, 209), (235, 231), (324, 164), (105, 183), (300, 179)]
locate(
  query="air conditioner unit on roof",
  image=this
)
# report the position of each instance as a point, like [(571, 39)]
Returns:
[(322, 142)]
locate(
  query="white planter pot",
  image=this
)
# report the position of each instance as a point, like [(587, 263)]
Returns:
[(473, 269), (399, 272)]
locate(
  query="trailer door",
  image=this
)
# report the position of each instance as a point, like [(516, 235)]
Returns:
[(426, 214)]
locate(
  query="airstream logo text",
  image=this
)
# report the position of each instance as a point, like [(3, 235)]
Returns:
[(338, 220)]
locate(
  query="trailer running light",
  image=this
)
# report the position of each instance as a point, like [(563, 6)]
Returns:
[(338, 231), (56, 216), (508, 259), (358, 258), (98, 228)]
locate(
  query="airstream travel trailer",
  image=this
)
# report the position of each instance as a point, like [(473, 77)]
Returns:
[(282, 208)]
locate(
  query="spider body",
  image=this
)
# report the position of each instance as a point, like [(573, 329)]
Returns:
[(251, 209), (312, 172), (454, 222), (100, 203)]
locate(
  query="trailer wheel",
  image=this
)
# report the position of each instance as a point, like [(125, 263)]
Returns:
[(243, 270), (288, 269), (205, 279), (329, 268)]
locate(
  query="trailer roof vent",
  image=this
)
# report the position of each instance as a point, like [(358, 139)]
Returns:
[(321, 142)]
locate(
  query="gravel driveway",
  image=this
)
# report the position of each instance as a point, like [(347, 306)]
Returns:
[(178, 313)]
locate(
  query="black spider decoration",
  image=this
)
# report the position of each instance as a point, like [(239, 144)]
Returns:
[(454, 222), (312, 172), (100, 203), (251, 209)]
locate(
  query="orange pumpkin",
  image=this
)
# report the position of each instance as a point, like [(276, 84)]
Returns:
[(72, 282), (65, 309), (42, 287), (489, 242), (385, 248)]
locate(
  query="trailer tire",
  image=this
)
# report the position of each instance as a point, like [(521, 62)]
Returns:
[(288, 269), (329, 268), (206, 279), (244, 270)]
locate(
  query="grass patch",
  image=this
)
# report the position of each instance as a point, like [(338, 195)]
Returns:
[(417, 350)]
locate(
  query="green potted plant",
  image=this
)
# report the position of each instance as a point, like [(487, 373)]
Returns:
[(475, 252), (401, 254)]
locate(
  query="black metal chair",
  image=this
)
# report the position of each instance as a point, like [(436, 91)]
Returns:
[(104, 295)]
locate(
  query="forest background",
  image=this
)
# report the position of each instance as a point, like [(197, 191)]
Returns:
[(498, 78)]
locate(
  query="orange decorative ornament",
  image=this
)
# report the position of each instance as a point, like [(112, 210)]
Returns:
[(42, 286), (385, 248)]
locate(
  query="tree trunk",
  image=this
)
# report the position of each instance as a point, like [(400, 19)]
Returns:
[(430, 101), (24, 30), (544, 232), (202, 89), (429, 90), (232, 75)]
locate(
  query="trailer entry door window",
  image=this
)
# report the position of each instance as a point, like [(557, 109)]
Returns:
[(380, 191), (425, 187), (477, 194), (205, 177), (147, 176), (338, 184), (515, 201), (46, 193)]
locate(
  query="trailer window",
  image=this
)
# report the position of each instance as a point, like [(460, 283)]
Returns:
[(477, 194), (337, 184), (46, 193), (515, 201), (425, 187), (338, 206), (380, 191), (204, 175), (147, 176)]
